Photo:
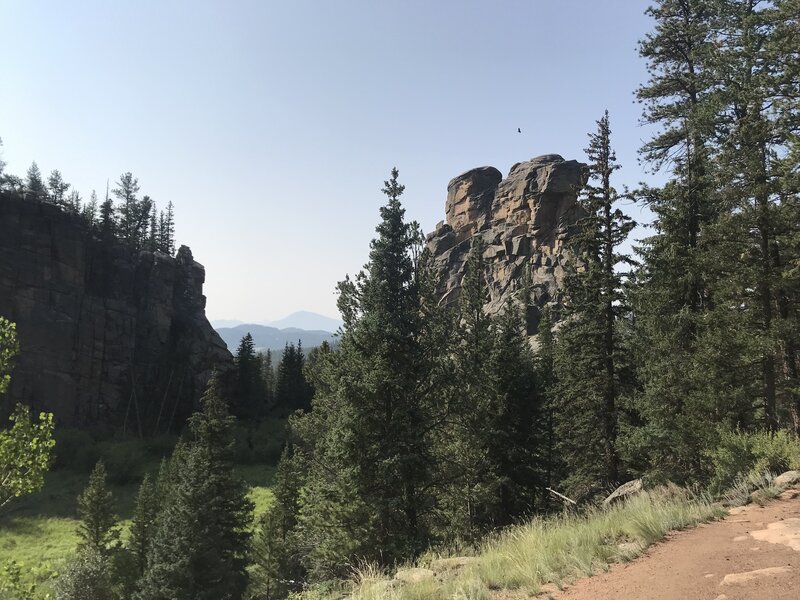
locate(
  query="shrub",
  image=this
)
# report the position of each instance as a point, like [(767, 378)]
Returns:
[(739, 453), (262, 443), (75, 450), (87, 577), (15, 586), (125, 460), (160, 446)]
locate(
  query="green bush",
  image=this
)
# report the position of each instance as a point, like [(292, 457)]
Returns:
[(86, 577), (160, 446), (262, 443), (75, 450), (125, 460), (740, 453)]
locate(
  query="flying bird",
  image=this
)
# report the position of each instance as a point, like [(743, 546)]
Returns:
[(519, 130)]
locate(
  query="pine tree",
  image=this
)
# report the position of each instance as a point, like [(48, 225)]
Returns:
[(34, 183), (126, 191), (588, 386), (74, 201), (250, 392), (292, 390), (470, 498), (166, 230), (146, 210), (108, 221), (89, 210), (57, 188), (313, 366), (98, 523), (545, 369), (133, 213), (672, 296), (143, 523), (201, 534), (517, 445), (754, 136), (276, 558), (367, 496), (268, 377), (87, 576), (152, 230)]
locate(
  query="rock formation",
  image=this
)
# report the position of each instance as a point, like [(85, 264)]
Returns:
[(523, 220), (108, 337)]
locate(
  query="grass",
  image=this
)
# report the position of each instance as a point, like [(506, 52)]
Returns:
[(38, 531), (557, 549)]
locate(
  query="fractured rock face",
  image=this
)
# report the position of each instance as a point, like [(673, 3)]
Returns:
[(523, 220), (108, 338)]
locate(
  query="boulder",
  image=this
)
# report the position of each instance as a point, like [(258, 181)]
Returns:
[(787, 479), (625, 491), (455, 563), (414, 575)]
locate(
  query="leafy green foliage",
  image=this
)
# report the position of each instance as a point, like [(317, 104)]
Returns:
[(740, 453), (24, 454), (9, 348), (25, 447), (14, 586)]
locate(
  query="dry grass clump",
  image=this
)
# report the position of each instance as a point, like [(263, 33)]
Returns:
[(554, 549)]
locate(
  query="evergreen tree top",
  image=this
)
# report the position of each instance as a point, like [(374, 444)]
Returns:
[(211, 426)]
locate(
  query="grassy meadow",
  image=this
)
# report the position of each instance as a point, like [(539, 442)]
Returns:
[(38, 532)]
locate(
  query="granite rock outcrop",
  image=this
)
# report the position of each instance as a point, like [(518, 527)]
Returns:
[(524, 221), (109, 337)]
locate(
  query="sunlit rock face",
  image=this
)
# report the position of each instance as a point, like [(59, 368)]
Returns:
[(524, 221), (109, 338)]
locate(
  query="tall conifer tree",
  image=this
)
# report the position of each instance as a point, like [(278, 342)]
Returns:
[(588, 386), (34, 183), (367, 496), (201, 534), (673, 293)]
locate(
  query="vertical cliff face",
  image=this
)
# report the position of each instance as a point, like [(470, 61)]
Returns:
[(108, 337), (524, 220)]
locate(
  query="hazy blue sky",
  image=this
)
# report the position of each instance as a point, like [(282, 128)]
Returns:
[(272, 125)]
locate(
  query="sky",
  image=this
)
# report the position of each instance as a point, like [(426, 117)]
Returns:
[(271, 125)]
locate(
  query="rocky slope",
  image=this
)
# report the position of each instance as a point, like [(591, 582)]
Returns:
[(108, 337), (524, 221)]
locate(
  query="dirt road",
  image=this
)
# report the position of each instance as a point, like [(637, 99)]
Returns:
[(753, 554)]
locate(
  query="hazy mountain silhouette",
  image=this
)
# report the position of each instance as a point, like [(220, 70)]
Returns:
[(304, 319), (272, 338)]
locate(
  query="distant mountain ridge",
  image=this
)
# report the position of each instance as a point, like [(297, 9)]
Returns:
[(302, 319), (272, 338)]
